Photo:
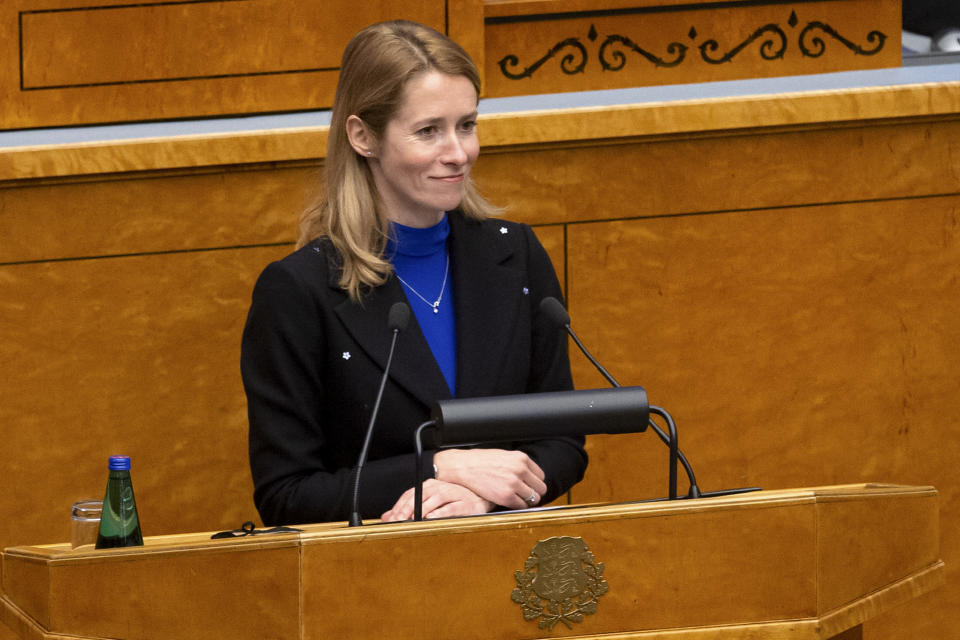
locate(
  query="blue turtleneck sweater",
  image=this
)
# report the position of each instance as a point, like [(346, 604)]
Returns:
[(420, 258)]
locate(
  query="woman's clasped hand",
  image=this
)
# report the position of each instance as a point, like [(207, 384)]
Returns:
[(471, 481)]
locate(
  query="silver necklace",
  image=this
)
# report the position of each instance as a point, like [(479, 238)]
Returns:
[(435, 305)]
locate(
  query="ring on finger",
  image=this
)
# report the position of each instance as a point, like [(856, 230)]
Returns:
[(532, 500)]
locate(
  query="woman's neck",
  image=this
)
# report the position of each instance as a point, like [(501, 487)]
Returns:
[(418, 241), (421, 221)]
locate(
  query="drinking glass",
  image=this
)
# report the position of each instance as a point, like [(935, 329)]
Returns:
[(85, 522)]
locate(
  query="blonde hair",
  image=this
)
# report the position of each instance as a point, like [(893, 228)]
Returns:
[(377, 64)]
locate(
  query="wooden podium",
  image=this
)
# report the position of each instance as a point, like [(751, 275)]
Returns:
[(805, 563)]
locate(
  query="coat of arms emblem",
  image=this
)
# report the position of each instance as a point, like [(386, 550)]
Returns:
[(560, 582)]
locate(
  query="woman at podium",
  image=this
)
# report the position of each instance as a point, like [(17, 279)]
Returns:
[(400, 220)]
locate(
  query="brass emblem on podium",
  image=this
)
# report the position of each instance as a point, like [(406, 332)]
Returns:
[(560, 582)]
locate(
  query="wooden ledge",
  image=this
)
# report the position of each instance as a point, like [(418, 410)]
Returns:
[(498, 131), (564, 515), (873, 604)]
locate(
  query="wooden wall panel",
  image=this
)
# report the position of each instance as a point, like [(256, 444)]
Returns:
[(136, 355), (154, 213), (549, 47), (166, 42), (72, 62), (779, 272), (67, 62), (789, 294), (722, 171), (553, 239), (826, 326)]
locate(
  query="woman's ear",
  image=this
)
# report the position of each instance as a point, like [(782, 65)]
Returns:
[(361, 138)]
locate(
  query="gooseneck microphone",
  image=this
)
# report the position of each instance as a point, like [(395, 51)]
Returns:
[(397, 320), (553, 309)]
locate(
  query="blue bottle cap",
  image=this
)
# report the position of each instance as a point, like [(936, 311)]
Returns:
[(119, 463)]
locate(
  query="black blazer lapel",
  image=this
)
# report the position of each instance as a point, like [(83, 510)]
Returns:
[(488, 299), (414, 367)]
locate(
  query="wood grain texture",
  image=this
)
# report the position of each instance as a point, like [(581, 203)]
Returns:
[(554, 241), (504, 8), (753, 563), (211, 591), (6, 633), (688, 174), (508, 132), (786, 286), (169, 42), (672, 548), (14, 625), (847, 339), (134, 355), (869, 542), (118, 216), (465, 27), (70, 62), (155, 154), (870, 609), (29, 583), (824, 356)]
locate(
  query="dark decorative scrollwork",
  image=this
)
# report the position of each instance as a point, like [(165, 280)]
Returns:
[(773, 47), (768, 50), (566, 63), (818, 46), (679, 51)]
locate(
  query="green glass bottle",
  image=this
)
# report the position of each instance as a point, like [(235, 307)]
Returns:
[(119, 524)]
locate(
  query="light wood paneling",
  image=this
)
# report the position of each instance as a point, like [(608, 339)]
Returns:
[(122, 215), (509, 132), (173, 41), (631, 549), (809, 343), (780, 272), (135, 355), (199, 152), (866, 541), (554, 241), (736, 171), (68, 62), (183, 591), (818, 335)]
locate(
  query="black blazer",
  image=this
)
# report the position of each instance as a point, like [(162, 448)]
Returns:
[(312, 360)]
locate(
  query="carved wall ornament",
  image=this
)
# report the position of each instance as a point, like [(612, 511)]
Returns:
[(773, 47), (877, 38), (773, 38), (560, 582)]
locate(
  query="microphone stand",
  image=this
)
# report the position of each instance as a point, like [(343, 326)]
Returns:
[(399, 315), (418, 459), (671, 441)]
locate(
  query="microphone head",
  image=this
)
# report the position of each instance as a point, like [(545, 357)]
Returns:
[(399, 316), (554, 310)]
